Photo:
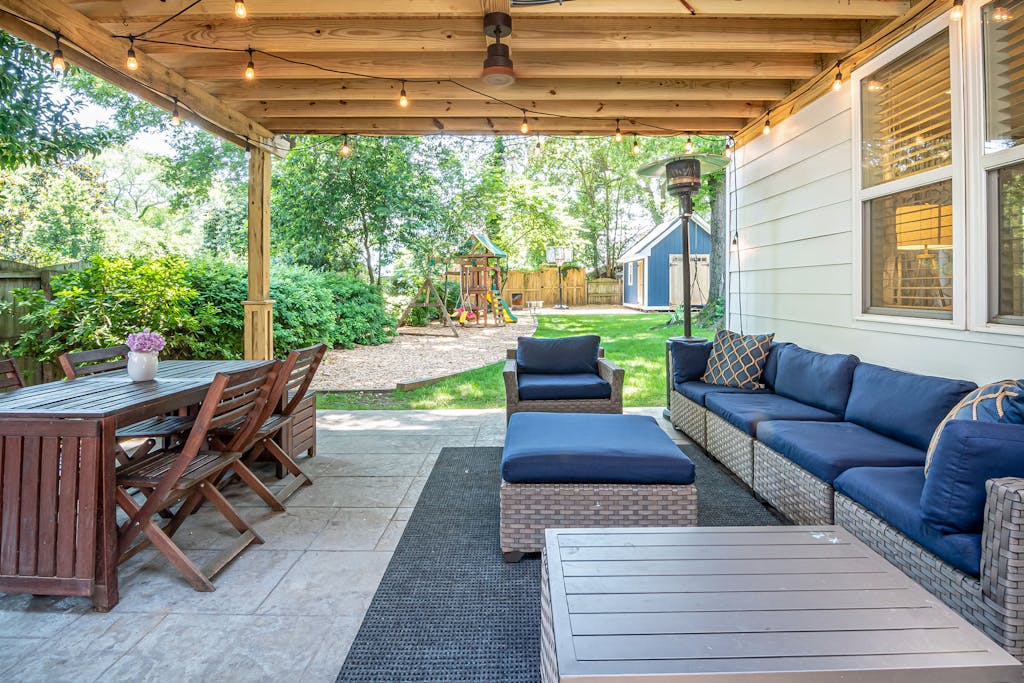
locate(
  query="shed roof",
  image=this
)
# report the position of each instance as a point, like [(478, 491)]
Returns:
[(643, 246)]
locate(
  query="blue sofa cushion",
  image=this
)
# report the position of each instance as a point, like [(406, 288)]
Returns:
[(689, 359), (968, 454), (699, 391), (996, 402), (563, 356), (584, 447), (563, 387), (737, 360), (817, 379), (894, 494), (771, 363), (902, 405), (746, 411), (827, 449)]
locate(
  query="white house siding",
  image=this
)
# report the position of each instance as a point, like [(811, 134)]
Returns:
[(792, 204)]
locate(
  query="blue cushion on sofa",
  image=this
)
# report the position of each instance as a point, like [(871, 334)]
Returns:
[(699, 391), (894, 494), (967, 455), (771, 363), (689, 359), (584, 447), (745, 411), (563, 387), (563, 356), (827, 449), (902, 405), (817, 379)]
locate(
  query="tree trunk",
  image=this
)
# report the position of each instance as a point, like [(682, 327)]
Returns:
[(719, 238), (367, 252)]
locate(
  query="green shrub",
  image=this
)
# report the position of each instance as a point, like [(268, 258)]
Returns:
[(360, 312)]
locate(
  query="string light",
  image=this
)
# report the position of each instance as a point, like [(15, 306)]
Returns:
[(240, 10), (345, 150), (57, 61), (837, 84), (131, 63), (689, 145), (636, 144), (538, 149), (524, 127), (767, 127), (175, 114), (250, 68), (403, 99), (957, 13), (729, 142)]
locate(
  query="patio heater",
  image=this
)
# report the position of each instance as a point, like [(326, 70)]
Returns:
[(683, 174), (559, 256)]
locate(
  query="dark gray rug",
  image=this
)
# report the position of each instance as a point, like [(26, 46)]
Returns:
[(449, 610)]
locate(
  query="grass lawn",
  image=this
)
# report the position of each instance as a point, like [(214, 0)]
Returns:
[(628, 340)]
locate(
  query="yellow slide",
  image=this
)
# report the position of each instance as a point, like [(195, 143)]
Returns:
[(506, 312)]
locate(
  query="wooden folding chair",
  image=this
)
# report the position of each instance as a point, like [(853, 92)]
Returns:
[(10, 376), (84, 363), (188, 474)]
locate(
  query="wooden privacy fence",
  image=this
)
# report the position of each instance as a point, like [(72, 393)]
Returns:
[(604, 291), (542, 285)]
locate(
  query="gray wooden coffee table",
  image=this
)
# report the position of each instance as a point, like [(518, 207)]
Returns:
[(779, 604)]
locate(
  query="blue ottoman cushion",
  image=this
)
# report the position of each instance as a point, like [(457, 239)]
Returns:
[(894, 494), (591, 448), (746, 411), (562, 387), (827, 449), (699, 391)]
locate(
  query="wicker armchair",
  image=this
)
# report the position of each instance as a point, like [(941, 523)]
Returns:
[(609, 372)]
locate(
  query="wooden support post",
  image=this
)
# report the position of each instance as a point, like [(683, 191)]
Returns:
[(259, 308)]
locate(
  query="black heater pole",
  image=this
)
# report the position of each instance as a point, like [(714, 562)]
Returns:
[(685, 211), (560, 304)]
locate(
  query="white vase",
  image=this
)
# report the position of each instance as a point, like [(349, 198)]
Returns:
[(142, 365)]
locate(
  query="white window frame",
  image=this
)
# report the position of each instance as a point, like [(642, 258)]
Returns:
[(982, 242), (629, 272), (955, 172)]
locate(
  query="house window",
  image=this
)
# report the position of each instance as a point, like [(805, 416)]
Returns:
[(629, 273), (1008, 228), (907, 183)]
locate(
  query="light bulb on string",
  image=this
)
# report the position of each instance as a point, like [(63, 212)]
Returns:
[(837, 84), (636, 144), (957, 13), (403, 99), (240, 10), (131, 63), (250, 68), (767, 127), (538, 149), (524, 127), (689, 145), (175, 114), (57, 61), (345, 150), (618, 132), (728, 147)]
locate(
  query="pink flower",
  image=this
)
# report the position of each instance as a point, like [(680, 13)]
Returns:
[(146, 341)]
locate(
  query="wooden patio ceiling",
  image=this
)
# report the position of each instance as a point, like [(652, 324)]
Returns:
[(654, 64)]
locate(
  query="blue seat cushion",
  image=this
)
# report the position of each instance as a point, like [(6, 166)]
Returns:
[(563, 356), (746, 411), (817, 379), (699, 391), (585, 447), (827, 449), (902, 405), (562, 387), (689, 359), (967, 455), (894, 494)]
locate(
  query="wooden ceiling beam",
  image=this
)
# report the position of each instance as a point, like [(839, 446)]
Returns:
[(505, 125), (234, 90), (681, 34), (155, 10), (441, 65)]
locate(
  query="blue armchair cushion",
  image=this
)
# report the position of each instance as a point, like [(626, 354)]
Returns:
[(996, 402), (902, 405), (563, 387), (585, 447), (699, 391), (894, 494), (967, 455), (827, 449), (689, 359), (746, 411), (817, 379), (563, 356), (771, 363), (737, 360)]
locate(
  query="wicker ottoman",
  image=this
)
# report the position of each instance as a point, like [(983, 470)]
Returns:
[(589, 470)]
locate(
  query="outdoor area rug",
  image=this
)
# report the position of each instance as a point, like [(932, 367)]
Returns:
[(449, 610)]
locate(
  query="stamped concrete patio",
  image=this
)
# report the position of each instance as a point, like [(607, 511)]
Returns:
[(286, 610)]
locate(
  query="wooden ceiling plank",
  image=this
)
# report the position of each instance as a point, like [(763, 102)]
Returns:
[(505, 125)]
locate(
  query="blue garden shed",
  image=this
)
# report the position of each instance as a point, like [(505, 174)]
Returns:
[(652, 273)]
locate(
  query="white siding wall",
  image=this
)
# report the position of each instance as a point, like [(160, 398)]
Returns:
[(792, 203)]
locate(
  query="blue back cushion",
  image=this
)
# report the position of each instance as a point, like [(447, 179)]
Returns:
[(817, 379), (968, 454), (771, 364), (902, 405), (689, 360), (564, 356)]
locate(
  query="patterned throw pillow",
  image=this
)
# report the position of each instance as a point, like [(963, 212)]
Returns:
[(997, 402), (737, 360)]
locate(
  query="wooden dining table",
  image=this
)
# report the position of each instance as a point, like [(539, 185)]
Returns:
[(58, 519)]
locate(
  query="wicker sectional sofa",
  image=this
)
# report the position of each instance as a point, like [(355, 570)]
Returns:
[(852, 453)]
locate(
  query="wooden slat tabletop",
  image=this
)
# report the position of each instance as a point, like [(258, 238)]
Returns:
[(751, 603)]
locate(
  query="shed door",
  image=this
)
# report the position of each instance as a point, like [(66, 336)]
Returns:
[(640, 282)]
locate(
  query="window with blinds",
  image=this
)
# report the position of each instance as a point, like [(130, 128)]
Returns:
[(1009, 233), (906, 124), (1003, 35)]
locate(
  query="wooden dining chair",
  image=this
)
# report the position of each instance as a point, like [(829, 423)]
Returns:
[(84, 363), (187, 474), (10, 376)]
